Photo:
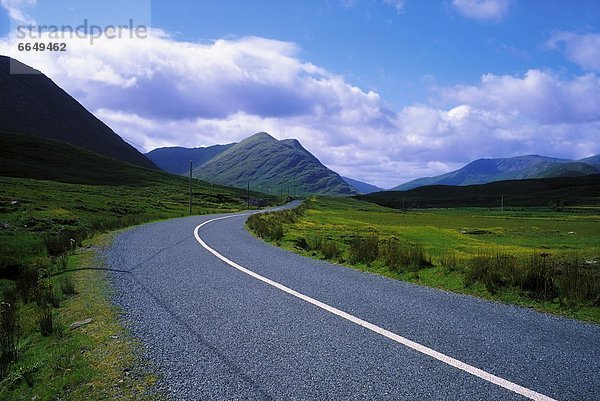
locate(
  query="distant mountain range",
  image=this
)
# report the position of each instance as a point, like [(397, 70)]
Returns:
[(30, 103), (515, 168)]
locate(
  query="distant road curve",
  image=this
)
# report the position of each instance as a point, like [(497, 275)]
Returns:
[(239, 318)]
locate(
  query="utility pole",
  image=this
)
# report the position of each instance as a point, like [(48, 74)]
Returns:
[(402, 204), (502, 204), (248, 195), (190, 187)]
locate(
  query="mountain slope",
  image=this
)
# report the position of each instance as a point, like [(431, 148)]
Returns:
[(176, 159), (273, 166), (591, 160), (28, 156), (488, 170), (32, 104), (362, 187), (573, 169)]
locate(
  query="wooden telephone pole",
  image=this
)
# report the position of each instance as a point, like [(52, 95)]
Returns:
[(190, 187)]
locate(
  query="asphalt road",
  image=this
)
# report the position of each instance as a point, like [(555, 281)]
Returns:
[(216, 332)]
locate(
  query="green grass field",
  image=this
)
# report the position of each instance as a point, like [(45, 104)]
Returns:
[(460, 249)]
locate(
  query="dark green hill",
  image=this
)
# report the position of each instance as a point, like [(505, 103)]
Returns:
[(514, 168), (30, 103), (176, 159), (273, 166), (583, 190), (28, 156)]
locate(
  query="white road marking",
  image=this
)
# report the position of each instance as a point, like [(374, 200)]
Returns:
[(524, 391)]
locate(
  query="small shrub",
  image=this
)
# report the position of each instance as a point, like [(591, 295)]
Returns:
[(301, 243), (45, 294), (63, 262), (266, 227), (330, 249), (45, 321), (390, 254), (27, 375), (404, 257), (9, 336), (58, 328), (363, 249), (485, 268), (276, 232), (27, 283), (576, 282), (533, 275), (449, 261), (67, 287), (65, 242), (538, 277), (315, 242)]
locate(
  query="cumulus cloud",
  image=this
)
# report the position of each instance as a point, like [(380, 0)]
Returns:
[(162, 91), (253, 75), (482, 10), (540, 96), (15, 10), (583, 50)]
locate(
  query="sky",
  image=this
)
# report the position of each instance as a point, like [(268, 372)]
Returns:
[(383, 91)]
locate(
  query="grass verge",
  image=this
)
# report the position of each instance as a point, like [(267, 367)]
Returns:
[(533, 257), (97, 361)]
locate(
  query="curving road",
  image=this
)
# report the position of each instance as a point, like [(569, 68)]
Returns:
[(226, 316)]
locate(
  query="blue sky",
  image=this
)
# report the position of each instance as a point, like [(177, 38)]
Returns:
[(380, 90)]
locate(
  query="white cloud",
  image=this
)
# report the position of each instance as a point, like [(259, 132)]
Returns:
[(163, 92), (583, 50), (15, 10), (482, 10), (539, 96)]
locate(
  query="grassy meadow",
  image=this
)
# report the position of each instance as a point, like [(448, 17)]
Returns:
[(536, 257)]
